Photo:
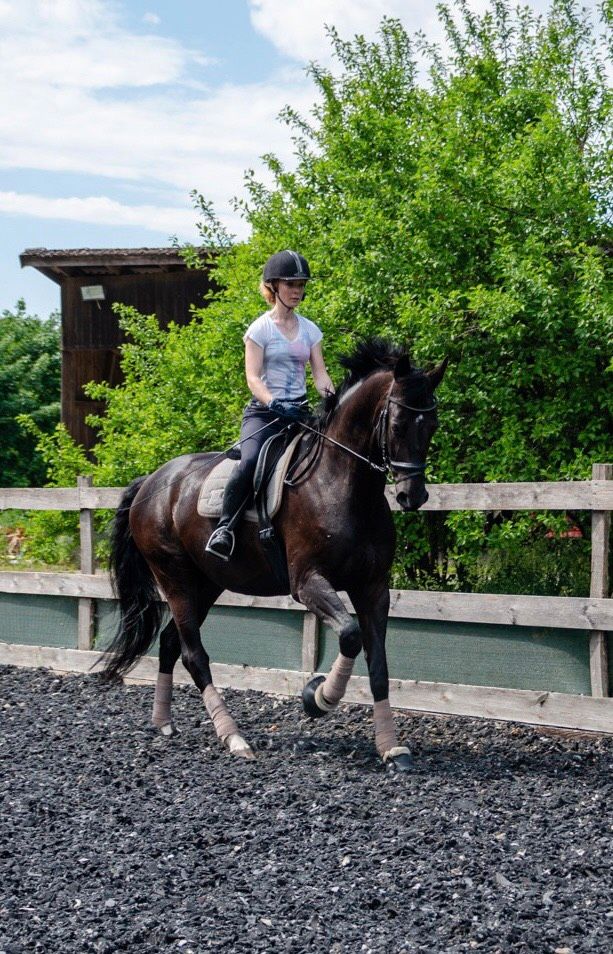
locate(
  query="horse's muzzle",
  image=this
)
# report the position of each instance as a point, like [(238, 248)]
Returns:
[(412, 496)]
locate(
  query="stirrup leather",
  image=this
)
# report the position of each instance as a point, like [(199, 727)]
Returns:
[(220, 536)]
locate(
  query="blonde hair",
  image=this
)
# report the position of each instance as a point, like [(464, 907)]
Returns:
[(267, 293)]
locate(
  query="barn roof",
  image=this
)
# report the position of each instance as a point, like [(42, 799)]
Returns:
[(58, 264)]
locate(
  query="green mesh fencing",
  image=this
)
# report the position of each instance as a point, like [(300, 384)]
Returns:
[(478, 654), (38, 620), (271, 639), (515, 657)]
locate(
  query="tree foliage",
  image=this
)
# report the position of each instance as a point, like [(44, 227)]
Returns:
[(29, 384), (460, 202)]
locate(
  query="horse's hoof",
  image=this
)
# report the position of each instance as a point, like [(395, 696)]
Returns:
[(237, 746), (168, 730), (399, 760), (308, 698)]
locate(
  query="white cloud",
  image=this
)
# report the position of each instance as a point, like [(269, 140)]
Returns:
[(302, 36), (82, 43), (152, 18), (96, 99), (101, 210), (205, 142)]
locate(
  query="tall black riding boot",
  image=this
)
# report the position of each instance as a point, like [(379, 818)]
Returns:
[(235, 501)]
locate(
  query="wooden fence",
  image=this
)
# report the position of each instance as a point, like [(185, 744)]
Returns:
[(593, 614)]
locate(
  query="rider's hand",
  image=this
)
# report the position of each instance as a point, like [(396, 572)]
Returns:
[(292, 412)]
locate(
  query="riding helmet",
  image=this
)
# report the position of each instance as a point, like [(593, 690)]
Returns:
[(288, 266)]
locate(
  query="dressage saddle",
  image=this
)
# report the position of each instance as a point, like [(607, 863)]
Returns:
[(273, 463)]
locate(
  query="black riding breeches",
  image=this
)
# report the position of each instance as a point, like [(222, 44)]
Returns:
[(254, 433), (258, 425)]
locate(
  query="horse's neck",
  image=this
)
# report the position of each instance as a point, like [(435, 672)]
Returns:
[(357, 414)]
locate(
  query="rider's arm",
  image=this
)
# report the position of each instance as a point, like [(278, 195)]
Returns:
[(254, 359), (322, 379)]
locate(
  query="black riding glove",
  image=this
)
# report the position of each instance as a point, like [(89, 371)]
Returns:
[(292, 412)]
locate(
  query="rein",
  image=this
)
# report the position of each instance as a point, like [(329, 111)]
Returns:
[(321, 436)]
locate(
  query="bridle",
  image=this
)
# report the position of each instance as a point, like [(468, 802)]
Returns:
[(411, 468)]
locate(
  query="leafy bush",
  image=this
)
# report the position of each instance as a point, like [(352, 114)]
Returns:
[(29, 384), (538, 568)]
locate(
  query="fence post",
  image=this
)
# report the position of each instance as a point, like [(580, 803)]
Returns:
[(85, 628), (599, 587), (310, 642)]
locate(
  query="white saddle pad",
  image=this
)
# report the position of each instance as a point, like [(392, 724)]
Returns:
[(210, 497)]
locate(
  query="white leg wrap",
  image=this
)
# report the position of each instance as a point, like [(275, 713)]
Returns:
[(333, 689), (397, 750), (385, 730), (161, 700), (221, 718), (322, 703)]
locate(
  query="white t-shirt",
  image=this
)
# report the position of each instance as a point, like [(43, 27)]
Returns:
[(284, 361)]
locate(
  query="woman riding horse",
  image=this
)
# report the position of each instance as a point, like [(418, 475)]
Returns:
[(334, 523), (278, 346)]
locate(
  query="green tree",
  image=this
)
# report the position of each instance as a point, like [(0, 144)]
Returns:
[(29, 384), (467, 213)]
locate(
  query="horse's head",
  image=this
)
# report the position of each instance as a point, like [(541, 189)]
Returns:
[(411, 422)]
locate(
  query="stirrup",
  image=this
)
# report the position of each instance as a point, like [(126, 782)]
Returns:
[(221, 543)]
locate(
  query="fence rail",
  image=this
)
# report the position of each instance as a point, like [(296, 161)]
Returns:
[(595, 494), (555, 612), (593, 614)]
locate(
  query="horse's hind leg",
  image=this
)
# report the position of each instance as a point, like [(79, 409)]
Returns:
[(189, 608), (170, 650), (322, 694)]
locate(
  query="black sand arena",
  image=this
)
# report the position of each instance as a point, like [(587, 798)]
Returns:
[(114, 838)]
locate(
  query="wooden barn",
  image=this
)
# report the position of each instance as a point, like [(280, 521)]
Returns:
[(153, 280)]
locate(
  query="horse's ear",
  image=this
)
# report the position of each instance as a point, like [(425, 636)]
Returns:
[(438, 373), (403, 367)]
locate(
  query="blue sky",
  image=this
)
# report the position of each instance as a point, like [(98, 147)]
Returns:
[(111, 111)]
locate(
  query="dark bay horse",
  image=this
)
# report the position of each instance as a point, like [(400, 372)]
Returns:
[(336, 530)]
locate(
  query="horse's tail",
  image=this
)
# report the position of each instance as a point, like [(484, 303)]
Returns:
[(134, 585)]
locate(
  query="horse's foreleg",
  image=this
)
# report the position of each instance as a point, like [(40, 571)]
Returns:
[(189, 613), (170, 650), (372, 610), (322, 694)]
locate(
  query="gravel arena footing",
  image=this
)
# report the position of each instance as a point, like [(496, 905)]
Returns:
[(117, 839)]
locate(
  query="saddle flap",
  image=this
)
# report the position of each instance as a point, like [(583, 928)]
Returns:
[(210, 498)]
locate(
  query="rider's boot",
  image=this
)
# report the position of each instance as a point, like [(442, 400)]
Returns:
[(235, 501)]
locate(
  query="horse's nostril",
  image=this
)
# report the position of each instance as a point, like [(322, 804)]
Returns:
[(412, 500)]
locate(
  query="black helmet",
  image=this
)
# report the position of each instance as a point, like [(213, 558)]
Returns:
[(288, 266)]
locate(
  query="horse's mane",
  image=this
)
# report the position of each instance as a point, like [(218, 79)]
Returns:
[(369, 355)]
